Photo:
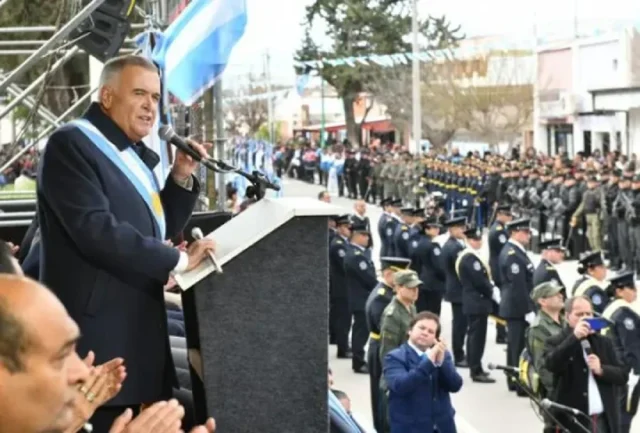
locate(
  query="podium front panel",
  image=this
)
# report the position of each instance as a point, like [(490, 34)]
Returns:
[(262, 332)]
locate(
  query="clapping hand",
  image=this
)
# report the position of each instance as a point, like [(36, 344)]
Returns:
[(103, 383), (442, 350), (161, 417)]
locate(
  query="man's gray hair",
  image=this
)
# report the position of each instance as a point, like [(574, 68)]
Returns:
[(569, 303), (114, 67)]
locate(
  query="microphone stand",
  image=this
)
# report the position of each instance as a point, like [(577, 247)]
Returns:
[(259, 182), (536, 401)]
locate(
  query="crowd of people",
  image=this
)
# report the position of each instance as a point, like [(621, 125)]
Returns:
[(556, 349)]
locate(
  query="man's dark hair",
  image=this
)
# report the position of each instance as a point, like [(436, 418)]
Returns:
[(321, 194), (6, 264), (425, 315), (13, 340), (569, 303), (339, 394)]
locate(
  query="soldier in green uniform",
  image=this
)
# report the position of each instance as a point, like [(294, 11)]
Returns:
[(396, 319), (377, 187), (378, 300), (547, 323)]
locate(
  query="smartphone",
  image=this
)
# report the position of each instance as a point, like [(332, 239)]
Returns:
[(597, 323)]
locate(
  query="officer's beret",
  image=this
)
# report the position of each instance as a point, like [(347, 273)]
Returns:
[(545, 290), (399, 263), (591, 259), (520, 224), (473, 233), (625, 279), (343, 220), (359, 227), (552, 244), (407, 279), (407, 211), (456, 222)]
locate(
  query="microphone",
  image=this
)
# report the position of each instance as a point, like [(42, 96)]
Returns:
[(586, 346), (548, 404), (197, 234), (506, 368), (168, 134)]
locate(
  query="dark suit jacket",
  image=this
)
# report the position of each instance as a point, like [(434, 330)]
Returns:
[(564, 357), (102, 254), (450, 251), (412, 381)]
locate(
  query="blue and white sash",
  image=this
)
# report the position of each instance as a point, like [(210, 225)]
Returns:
[(128, 161)]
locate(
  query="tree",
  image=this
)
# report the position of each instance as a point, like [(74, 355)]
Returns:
[(361, 28), (442, 98)]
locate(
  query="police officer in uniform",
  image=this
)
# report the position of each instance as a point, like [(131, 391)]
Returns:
[(426, 260), (378, 300), (593, 283), (387, 226), (339, 317), (361, 278), (625, 316), (452, 247), (553, 254), (402, 234), (516, 306), (498, 237), (478, 294)]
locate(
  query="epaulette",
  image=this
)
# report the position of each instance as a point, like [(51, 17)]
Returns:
[(499, 227), (338, 241), (403, 227), (358, 253), (381, 291), (389, 311), (511, 252), (550, 268)]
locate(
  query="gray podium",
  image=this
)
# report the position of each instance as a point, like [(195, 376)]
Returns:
[(261, 326)]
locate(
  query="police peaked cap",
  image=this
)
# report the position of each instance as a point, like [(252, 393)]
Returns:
[(343, 220), (430, 221), (591, 259), (407, 211), (521, 224), (473, 233), (455, 222), (359, 226), (552, 244), (505, 208), (625, 279), (395, 263), (418, 212)]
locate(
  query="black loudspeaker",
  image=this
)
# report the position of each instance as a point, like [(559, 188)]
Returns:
[(103, 33)]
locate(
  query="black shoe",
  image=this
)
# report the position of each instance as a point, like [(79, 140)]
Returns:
[(462, 364), (480, 378), (345, 355), (502, 340), (363, 369)]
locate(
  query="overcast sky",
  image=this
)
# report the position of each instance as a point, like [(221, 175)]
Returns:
[(274, 26)]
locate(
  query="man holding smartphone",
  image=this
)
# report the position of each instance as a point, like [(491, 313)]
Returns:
[(586, 372)]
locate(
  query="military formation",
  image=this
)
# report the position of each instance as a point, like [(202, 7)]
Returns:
[(555, 208)]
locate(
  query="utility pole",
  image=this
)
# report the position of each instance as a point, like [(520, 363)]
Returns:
[(267, 73), (415, 87), (220, 141)]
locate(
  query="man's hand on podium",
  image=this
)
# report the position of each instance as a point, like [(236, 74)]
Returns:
[(199, 251)]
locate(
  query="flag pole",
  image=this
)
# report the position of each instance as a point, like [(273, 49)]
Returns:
[(219, 119), (322, 115)]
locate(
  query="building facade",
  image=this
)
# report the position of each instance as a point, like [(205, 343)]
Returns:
[(573, 77)]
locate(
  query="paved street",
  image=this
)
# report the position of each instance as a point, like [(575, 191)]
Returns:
[(481, 408)]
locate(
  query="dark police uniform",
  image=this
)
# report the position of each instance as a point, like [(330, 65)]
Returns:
[(477, 304), (402, 236), (545, 271), (516, 276), (626, 339), (378, 300), (426, 260), (339, 317), (497, 239), (386, 229), (363, 220), (587, 286), (453, 293), (361, 278)]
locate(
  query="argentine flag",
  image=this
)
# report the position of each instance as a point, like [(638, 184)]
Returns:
[(195, 49)]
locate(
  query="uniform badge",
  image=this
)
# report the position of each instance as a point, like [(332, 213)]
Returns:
[(414, 244), (389, 231), (436, 251), (363, 265), (405, 236), (515, 269), (596, 299), (476, 265), (341, 253), (381, 291), (628, 323), (502, 239), (554, 281)]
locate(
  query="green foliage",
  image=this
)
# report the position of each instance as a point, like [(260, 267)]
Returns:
[(263, 132), (360, 28)]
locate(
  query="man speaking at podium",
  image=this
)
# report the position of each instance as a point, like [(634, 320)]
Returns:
[(103, 220)]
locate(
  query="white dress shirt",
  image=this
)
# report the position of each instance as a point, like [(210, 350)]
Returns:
[(596, 407)]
